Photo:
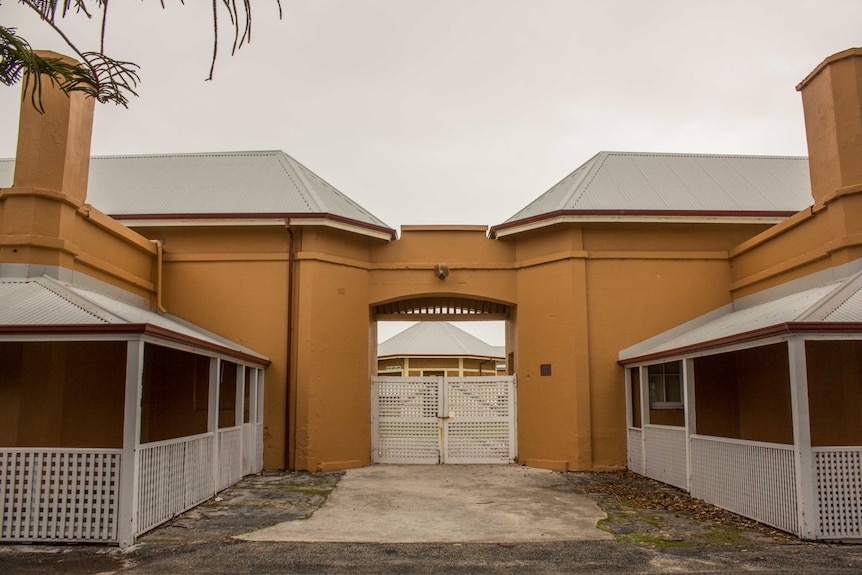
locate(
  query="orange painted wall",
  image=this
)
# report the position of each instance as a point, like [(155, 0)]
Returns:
[(55, 394), (835, 392)]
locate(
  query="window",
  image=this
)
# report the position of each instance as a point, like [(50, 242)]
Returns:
[(665, 385)]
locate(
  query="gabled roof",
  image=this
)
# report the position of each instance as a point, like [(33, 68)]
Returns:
[(44, 305), (675, 185), (832, 307), (437, 339), (228, 184)]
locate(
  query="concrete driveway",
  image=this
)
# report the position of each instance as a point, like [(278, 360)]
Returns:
[(446, 503)]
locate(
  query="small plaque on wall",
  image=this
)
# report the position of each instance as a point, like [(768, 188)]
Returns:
[(545, 369)]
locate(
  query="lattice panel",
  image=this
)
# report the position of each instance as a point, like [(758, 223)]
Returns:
[(756, 480), (478, 399), (472, 421), (665, 455), (174, 476), (635, 451), (258, 447), (407, 399), (477, 441), (838, 476), (59, 495), (229, 462)]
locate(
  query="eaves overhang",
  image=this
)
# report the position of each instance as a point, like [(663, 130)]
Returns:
[(781, 329), (637, 216), (256, 219), (129, 329)]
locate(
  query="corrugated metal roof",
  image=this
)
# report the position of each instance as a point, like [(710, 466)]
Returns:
[(437, 338), (45, 301), (31, 302), (216, 183), (835, 302), (678, 182)]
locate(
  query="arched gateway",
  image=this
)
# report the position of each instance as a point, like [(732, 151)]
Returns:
[(444, 418)]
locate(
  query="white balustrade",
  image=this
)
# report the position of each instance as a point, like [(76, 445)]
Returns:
[(838, 485), (54, 495), (754, 479), (174, 476), (665, 458), (635, 450), (229, 461)]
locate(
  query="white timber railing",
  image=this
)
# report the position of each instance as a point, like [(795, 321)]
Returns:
[(62, 495), (838, 488), (635, 460), (229, 460), (665, 454), (751, 478), (174, 476), (258, 447)]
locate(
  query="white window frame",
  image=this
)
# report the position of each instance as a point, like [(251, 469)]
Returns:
[(662, 377)]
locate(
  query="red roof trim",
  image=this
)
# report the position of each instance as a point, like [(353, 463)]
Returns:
[(762, 333), (131, 329), (255, 216), (672, 213)]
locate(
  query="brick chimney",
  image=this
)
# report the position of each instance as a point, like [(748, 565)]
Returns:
[(832, 101), (54, 147)]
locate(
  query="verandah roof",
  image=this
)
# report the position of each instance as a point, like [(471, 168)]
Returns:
[(832, 307), (44, 305)]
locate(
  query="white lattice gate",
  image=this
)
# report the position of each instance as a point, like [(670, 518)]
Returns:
[(443, 419)]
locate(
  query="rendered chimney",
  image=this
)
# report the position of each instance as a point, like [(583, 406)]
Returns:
[(832, 101), (54, 147)]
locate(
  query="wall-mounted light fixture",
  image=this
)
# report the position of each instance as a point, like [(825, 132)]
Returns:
[(441, 271)]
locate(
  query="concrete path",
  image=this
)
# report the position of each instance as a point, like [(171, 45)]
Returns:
[(446, 503)]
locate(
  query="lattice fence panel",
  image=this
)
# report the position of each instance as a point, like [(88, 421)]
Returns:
[(174, 476), (258, 447), (68, 495), (229, 462), (478, 441), (665, 458), (756, 480), (480, 423), (248, 455), (838, 477), (635, 458), (407, 427)]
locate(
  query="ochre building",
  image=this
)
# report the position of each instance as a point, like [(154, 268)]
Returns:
[(269, 274)]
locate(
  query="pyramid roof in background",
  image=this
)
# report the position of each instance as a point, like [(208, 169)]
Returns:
[(436, 339)]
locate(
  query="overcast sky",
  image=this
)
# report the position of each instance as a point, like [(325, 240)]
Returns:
[(460, 111)]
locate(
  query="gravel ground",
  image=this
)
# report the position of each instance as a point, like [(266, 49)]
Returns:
[(658, 529), (642, 510)]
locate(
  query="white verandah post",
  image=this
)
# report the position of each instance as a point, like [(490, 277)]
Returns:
[(127, 520), (806, 503), (643, 383), (212, 418), (689, 414), (239, 415), (252, 416)]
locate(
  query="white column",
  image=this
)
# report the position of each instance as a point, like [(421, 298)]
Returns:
[(127, 521), (643, 379), (212, 417), (805, 492), (252, 417), (689, 412), (629, 410), (239, 413), (260, 389)]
